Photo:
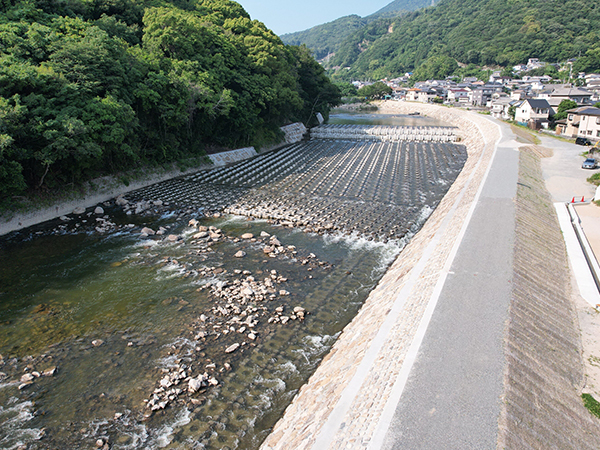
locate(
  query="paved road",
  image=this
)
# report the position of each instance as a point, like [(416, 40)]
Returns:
[(562, 172), (452, 397)]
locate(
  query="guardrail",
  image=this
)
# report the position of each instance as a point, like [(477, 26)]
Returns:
[(585, 245)]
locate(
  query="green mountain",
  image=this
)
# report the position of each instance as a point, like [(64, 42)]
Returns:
[(397, 6), (433, 42), (327, 38), (88, 88)]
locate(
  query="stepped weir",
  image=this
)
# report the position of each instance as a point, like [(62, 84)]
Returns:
[(376, 181)]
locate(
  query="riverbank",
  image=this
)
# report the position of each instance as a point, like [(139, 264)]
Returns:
[(94, 193), (354, 382)]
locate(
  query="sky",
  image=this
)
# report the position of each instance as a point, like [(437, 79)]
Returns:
[(287, 16)]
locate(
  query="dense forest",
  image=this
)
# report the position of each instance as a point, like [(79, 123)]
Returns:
[(91, 87), (329, 37), (495, 33)]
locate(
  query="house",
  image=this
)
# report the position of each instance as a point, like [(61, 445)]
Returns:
[(578, 95), (536, 110), (499, 107), (520, 68), (412, 95), (456, 94), (479, 96), (427, 95), (518, 94), (583, 122)]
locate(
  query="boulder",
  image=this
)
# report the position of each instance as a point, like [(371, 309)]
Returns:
[(232, 348), (148, 231), (27, 378), (79, 210), (247, 236), (99, 210), (120, 201), (240, 254), (195, 384), (49, 372)]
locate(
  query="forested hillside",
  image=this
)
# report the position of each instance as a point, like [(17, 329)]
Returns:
[(88, 88), (482, 32), (329, 37)]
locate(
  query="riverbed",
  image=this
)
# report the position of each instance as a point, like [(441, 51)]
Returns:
[(157, 323)]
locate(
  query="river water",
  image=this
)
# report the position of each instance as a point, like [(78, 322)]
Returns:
[(101, 331)]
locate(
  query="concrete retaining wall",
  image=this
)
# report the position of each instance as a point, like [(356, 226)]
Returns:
[(224, 158), (294, 132)]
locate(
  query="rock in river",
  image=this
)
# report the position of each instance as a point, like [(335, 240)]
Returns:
[(232, 348), (148, 231)]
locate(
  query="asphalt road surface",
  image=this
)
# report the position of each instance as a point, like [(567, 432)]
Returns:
[(452, 397)]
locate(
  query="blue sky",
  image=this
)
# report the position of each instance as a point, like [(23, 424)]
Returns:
[(286, 16)]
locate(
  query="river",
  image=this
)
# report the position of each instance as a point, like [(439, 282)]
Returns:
[(103, 329)]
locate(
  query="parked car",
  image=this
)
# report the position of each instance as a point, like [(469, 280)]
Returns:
[(583, 141), (589, 163)]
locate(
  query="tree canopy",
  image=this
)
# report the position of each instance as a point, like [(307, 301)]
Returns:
[(89, 88), (563, 107), (375, 91), (327, 38), (482, 32)]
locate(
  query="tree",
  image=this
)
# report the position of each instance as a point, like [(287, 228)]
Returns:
[(563, 107), (90, 87), (347, 89), (435, 68), (375, 91)]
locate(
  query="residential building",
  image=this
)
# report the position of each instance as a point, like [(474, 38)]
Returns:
[(412, 95), (518, 94), (499, 107), (536, 110), (583, 122), (579, 95), (456, 94)]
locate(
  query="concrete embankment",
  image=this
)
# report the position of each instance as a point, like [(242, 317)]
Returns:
[(542, 407), (344, 403)]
